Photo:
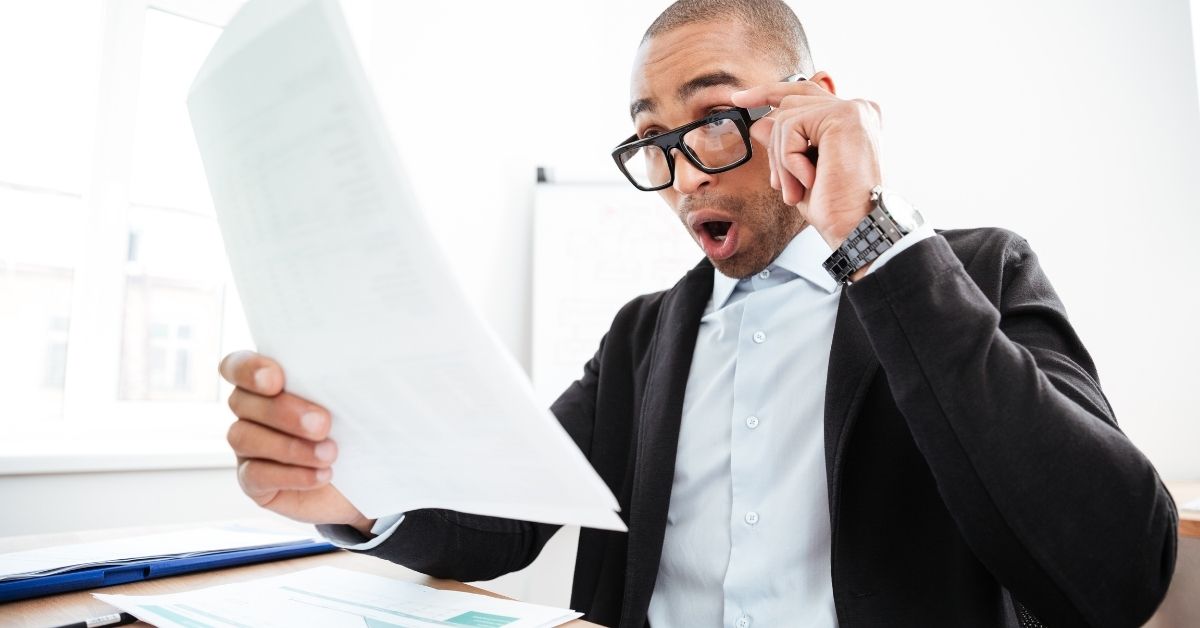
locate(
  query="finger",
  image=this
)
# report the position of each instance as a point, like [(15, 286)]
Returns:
[(792, 190), (262, 479), (764, 132), (249, 370), (286, 413), (761, 131), (253, 440), (778, 142), (793, 101), (796, 154), (774, 93), (788, 185), (802, 168), (789, 141), (779, 121)]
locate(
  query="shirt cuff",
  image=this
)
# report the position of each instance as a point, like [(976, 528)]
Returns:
[(915, 236), (347, 537)]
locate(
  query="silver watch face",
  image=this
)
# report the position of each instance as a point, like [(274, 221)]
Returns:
[(902, 212)]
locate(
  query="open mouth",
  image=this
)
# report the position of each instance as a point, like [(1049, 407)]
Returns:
[(718, 229), (718, 238)]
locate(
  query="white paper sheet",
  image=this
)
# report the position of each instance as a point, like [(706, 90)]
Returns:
[(184, 542), (343, 284), (332, 598)]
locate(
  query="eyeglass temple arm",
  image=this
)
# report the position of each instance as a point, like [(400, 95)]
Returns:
[(759, 113)]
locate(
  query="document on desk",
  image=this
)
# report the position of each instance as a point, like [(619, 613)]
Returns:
[(333, 598), (343, 284)]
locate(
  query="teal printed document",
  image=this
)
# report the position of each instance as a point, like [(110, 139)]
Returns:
[(333, 598)]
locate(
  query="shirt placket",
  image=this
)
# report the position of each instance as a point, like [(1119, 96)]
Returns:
[(748, 426)]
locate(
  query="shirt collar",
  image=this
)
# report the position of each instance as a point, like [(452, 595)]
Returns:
[(804, 256)]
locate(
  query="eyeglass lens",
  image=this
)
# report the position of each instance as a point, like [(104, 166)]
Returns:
[(714, 145)]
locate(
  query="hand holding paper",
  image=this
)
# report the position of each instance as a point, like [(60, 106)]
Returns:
[(344, 286), (282, 443)]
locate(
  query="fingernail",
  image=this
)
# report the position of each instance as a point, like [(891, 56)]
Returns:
[(324, 450), (312, 422), (323, 475), (262, 378)]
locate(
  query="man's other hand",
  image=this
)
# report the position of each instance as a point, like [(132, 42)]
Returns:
[(833, 196), (282, 443)]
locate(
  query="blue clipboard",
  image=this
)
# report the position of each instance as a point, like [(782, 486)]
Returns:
[(134, 571)]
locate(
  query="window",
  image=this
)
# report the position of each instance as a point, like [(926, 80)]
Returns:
[(174, 272), (49, 75), (115, 296), (173, 306)]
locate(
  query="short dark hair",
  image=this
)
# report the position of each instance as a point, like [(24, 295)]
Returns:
[(772, 27)]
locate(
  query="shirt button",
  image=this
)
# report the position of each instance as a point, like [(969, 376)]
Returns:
[(751, 421), (751, 517), (743, 622), (760, 337), (766, 272)]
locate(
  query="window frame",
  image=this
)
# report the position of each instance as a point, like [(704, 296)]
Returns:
[(97, 431)]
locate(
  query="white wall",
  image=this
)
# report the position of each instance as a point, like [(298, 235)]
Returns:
[(50, 503)]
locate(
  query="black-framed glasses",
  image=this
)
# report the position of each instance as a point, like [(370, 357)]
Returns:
[(715, 143)]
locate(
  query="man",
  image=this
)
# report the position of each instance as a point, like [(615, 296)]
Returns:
[(915, 437)]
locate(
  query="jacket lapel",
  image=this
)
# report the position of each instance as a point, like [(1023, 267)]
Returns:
[(658, 435), (852, 365)]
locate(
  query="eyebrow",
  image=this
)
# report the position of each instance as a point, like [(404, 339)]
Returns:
[(687, 90)]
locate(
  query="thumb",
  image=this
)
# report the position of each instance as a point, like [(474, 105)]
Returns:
[(761, 131), (802, 168)]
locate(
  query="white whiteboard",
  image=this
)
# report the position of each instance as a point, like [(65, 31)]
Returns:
[(595, 247)]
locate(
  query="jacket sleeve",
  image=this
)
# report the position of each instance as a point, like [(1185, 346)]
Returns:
[(467, 547), (1004, 404)]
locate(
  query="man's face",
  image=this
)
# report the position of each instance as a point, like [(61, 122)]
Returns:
[(739, 221)]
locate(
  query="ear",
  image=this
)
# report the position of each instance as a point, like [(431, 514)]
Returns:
[(823, 79)]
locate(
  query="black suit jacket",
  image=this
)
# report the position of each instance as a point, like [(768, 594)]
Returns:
[(972, 459)]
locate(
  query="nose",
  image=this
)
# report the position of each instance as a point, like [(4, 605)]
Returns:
[(689, 178)]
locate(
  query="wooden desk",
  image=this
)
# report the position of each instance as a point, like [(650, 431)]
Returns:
[(1189, 520), (80, 605), (69, 607)]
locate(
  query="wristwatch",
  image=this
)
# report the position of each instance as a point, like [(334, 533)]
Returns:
[(891, 218)]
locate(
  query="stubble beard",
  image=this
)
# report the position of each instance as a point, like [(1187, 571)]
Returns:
[(766, 226)]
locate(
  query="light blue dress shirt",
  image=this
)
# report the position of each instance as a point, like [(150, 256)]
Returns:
[(748, 539), (748, 534)]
